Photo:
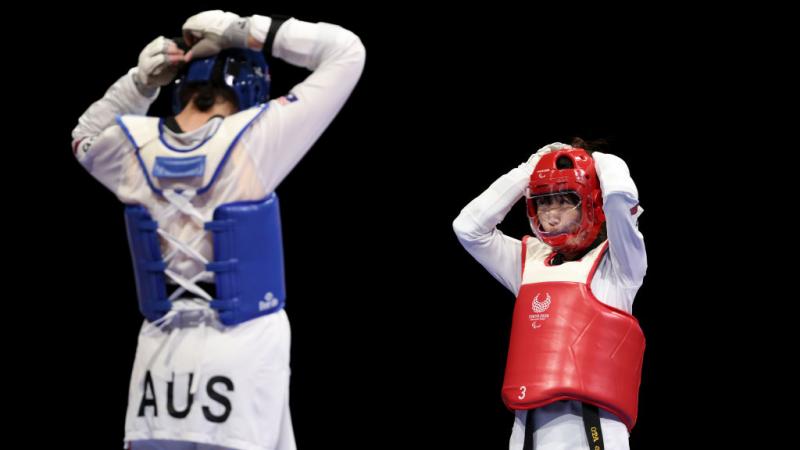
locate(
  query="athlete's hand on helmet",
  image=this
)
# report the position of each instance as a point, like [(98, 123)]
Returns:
[(210, 32), (534, 159), (158, 64)]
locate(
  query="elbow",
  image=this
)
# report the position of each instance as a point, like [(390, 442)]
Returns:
[(75, 144), (464, 228), (459, 226), (352, 49), (80, 146), (358, 53), (357, 47)]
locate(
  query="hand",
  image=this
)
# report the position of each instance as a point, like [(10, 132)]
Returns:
[(210, 32), (534, 159), (158, 64)]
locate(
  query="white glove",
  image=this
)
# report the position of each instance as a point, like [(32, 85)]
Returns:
[(613, 174), (534, 159), (210, 32), (158, 64)]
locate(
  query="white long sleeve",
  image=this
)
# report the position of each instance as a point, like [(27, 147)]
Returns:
[(276, 141), (476, 227), (622, 210), (283, 135)]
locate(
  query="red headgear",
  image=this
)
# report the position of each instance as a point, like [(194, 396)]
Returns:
[(576, 176)]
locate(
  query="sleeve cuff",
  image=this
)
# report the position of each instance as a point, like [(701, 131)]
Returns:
[(259, 26)]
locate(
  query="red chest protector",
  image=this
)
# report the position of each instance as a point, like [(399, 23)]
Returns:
[(566, 344)]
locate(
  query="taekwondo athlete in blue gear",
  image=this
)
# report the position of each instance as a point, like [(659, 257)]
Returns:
[(248, 269), (212, 361)]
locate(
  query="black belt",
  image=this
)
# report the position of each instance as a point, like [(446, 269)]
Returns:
[(591, 423)]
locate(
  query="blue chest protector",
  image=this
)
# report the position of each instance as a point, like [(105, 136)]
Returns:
[(248, 250), (247, 266)]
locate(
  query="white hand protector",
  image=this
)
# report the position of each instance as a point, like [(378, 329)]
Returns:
[(534, 159), (210, 32), (614, 175), (158, 65)]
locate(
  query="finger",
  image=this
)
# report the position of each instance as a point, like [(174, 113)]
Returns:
[(175, 59), (171, 46), (191, 37), (205, 48), (156, 64)]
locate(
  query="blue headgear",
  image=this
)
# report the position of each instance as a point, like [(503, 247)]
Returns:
[(244, 71)]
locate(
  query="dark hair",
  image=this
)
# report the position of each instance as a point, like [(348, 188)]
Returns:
[(591, 146), (204, 95)]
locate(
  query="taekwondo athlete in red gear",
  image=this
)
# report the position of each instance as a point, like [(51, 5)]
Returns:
[(575, 355), (212, 361)]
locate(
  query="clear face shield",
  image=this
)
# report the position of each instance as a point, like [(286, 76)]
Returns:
[(554, 214)]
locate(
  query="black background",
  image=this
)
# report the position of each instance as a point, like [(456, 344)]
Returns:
[(399, 337)]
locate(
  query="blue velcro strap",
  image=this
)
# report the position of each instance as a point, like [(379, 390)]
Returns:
[(224, 305), (154, 266), (148, 225), (221, 266), (148, 266), (219, 225), (248, 260), (169, 167)]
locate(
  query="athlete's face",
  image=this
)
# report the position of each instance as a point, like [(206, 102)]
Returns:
[(558, 213)]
